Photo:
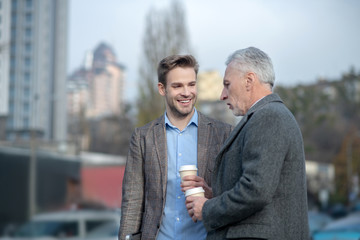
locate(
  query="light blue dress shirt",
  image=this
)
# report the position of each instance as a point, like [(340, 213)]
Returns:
[(182, 150)]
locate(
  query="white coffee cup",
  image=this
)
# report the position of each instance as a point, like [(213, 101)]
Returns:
[(198, 191), (186, 170)]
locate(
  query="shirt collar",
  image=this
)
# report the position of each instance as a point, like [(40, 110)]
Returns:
[(193, 120), (256, 102)]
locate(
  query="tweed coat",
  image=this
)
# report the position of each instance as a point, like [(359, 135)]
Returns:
[(259, 181), (145, 178)]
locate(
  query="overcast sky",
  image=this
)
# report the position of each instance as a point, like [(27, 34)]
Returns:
[(306, 39)]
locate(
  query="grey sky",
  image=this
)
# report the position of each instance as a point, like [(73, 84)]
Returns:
[(306, 39)]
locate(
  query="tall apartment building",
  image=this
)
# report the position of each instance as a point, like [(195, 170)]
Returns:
[(33, 68), (4, 63), (97, 88)]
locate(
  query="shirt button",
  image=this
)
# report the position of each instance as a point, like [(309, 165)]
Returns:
[(177, 219), (180, 154), (179, 197)]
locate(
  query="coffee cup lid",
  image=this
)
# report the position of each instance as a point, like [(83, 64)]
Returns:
[(187, 168), (193, 191)]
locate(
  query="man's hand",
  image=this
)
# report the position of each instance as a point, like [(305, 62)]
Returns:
[(194, 206), (191, 181)]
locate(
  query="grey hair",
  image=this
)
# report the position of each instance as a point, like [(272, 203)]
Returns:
[(254, 60)]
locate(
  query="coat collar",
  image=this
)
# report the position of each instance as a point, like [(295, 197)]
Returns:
[(260, 104)]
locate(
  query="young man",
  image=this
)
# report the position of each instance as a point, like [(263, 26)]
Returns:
[(153, 203), (260, 184)]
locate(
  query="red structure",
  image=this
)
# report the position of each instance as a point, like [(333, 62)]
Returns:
[(101, 179)]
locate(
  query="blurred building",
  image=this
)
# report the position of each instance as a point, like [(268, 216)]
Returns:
[(97, 88), (320, 182), (5, 17), (102, 177), (46, 181), (35, 181), (33, 38), (210, 85)]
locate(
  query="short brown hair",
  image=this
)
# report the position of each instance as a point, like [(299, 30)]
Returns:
[(173, 61)]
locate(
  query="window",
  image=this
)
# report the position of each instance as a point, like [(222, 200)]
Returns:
[(27, 77), (27, 96), (12, 77), (28, 32), (26, 107), (13, 49), (13, 18), (29, 3), (11, 107), (28, 47), (28, 17), (12, 93), (12, 62), (91, 224), (13, 4), (27, 62), (25, 135), (13, 33)]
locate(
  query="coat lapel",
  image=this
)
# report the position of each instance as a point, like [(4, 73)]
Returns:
[(160, 147), (270, 98)]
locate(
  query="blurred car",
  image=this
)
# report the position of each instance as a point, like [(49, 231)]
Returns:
[(74, 225), (318, 220), (347, 228)]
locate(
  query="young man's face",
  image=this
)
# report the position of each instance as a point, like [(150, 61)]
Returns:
[(180, 92)]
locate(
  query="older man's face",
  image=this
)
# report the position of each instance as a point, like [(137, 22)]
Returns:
[(234, 92)]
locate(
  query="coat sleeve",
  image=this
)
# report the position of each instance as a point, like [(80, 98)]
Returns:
[(133, 189), (261, 152)]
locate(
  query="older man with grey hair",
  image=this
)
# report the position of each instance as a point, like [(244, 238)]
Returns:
[(259, 181)]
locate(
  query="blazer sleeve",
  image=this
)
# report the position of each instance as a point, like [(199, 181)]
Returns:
[(261, 150), (133, 189)]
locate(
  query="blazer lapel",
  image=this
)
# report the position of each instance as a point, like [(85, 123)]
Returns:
[(202, 144), (160, 147)]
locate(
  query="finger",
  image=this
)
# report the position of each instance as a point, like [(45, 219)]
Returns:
[(188, 206)]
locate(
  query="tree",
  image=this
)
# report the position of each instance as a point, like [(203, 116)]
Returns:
[(165, 34)]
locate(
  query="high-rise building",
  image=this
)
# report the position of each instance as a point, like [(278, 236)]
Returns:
[(33, 68), (4, 63), (97, 88)]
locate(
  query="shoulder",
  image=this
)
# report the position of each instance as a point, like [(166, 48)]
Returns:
[(274, 115), (149, 127), (213, 122)]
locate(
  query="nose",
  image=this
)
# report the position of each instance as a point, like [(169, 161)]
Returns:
[(223, 95), (186, 91)]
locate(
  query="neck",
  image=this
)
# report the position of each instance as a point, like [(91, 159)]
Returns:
[(260, 92), (179, 121)]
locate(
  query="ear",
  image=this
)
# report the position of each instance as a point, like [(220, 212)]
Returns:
[(161, 89), (250, 80)]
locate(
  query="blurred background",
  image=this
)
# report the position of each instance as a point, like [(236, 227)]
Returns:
[(77, 76)]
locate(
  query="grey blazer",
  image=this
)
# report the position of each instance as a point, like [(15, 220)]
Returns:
[(259, 181), (145, 178)]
